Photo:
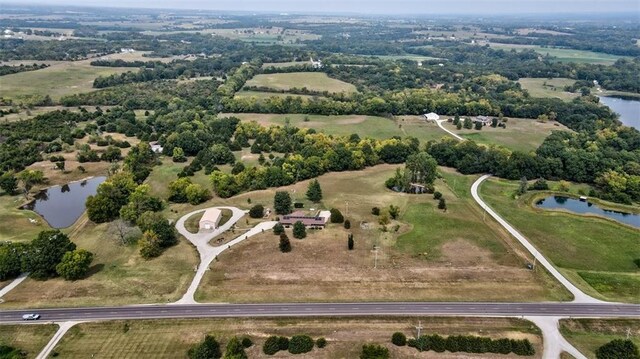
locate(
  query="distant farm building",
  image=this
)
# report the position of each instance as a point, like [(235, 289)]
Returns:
[(431, 116), (210, 219), (155, 147), (317, 221), (484, 120)]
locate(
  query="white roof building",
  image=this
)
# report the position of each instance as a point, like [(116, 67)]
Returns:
[(431, 116), (210, 219)]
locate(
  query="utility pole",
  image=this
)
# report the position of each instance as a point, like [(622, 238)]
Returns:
[(419, 328)]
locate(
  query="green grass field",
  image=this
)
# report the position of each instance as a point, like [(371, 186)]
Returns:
[(596, 254), (541, 87), (29, 338), (264, 95), (521, 134), (587, 335), (345, 336), (58, 80), (565, 55), (316, 81)]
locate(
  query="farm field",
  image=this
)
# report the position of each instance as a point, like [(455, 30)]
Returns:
[(28, 338), (66, 78), (284, 64), (587, 335), (521, 134), (264, 95), (554, 88), (118, 275), (564, 55), (345, 336), (272, 35), (316, 81), (432, 256), (595, 253)]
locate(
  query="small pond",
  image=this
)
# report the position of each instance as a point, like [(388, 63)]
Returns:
[(628, 109), (62, 205), (582, 207)]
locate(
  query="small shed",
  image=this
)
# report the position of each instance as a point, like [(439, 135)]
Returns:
[(210, 219), (431, 116)]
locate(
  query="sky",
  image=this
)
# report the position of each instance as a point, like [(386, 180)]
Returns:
[(375, 6)]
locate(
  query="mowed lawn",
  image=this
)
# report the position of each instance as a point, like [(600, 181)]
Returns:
[(265, 95), (543, 87), (173, 338), (316, 81), (66, 78), (28, 338), (426, 254), (521, 134), (587, 335), (595, 253), (564, 55)]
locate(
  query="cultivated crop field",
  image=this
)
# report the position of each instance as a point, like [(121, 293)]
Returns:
[(433, 256), (595, 253), (316, 81), (564, 55)]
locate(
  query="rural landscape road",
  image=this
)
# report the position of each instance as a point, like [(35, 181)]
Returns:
[(565, 310), (578, 295)]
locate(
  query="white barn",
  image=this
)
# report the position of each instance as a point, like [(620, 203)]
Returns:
[(210, 219), (431, 116)]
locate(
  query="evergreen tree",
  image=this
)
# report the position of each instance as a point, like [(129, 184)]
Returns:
[(278, 229), (209, 348), (234, 350), (285, 244), (299, 230), (282, 202), (314, 192), (442, 204), (350, 242)]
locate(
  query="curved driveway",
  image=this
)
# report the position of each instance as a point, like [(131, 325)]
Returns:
[(439, 122), (208, 252), (579, 296)]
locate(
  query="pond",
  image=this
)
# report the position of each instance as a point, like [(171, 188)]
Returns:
[(582, 207), (62, 205), (628, 109)]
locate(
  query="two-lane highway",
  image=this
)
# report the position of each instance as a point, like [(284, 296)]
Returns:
[(586, 310)]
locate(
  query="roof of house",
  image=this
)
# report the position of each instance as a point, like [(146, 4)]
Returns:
[(432, 115), (306, 219), (212, 215)]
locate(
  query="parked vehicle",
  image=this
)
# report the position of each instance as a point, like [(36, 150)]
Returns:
[(31, 317)]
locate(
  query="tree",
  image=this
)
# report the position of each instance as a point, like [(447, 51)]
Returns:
[(45, 252), (300, 344), (374, 351), (394, 211), (11, 259), (156, 222), (321, 342), (60, 165), (271, 346), (399, 339), (196, 194), (437, 195), (442, 204), (112, 194), (140, 201), (246, 342), (540, 185), (278, 229), (347, 224), (149, 245), (299, 230), (350, 242), (459, 126), (75, 264), (314, 191), (178, 155), (494, 122), (618, 349), (456, 120), (30, 178), (257, 211), (336, 216), (8, 182), (178, 190), (420, 168), (234, 350), (209, 348), (285, 244), (478, 126), (282, 202), (523, 186), (468, 124), (375, 211)]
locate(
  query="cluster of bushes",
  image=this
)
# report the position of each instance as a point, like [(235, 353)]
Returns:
[(465, 343), (50, 254), (618, 348), (298, 344), (183, 190), (209, 348)]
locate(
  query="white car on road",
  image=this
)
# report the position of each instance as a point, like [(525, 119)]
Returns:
[(31, 317)]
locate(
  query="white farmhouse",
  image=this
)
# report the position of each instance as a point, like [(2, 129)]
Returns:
[(210, 219), (431, 116)]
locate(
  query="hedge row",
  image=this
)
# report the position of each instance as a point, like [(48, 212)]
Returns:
[(298, 344), (471, 344)]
